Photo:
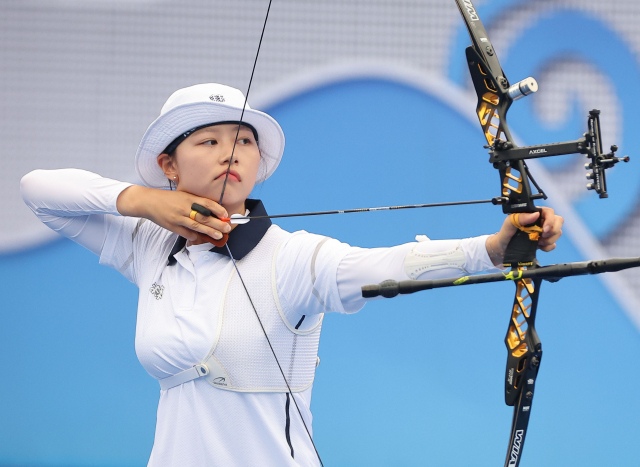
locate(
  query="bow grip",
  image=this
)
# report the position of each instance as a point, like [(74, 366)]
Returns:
[(521, 250)]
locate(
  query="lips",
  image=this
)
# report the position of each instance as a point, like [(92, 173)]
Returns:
[(233, 176)]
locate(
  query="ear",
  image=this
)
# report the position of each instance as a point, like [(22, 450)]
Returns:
[(168, 166)]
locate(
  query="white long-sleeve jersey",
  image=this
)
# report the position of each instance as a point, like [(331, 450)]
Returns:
[(198, 424)]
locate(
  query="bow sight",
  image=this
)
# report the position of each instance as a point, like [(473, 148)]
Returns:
[(503, 153)]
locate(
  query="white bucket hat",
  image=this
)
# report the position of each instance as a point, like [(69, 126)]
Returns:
[(197, 106)]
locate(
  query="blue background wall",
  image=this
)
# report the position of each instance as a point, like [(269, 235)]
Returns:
[(410, 381)]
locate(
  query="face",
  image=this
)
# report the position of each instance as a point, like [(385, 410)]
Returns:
[(200, 164)]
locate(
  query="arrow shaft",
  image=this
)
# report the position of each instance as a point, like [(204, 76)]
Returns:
[(239, 219)]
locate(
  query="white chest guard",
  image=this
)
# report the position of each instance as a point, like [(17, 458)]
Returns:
[(240, 358)]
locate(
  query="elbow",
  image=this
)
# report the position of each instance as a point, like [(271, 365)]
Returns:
[(30, 183)]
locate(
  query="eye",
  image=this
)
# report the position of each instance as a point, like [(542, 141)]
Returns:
[(210, 142), (244, 141)]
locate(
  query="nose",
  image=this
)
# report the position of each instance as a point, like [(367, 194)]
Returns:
[(229, 151)]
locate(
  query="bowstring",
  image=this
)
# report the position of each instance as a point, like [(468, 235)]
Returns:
[(224, 186), (244, 106)]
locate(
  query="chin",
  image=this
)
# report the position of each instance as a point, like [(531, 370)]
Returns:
[(206, 192), (232, 196)]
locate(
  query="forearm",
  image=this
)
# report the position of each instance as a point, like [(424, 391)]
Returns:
[(134, 201), (442, 258)]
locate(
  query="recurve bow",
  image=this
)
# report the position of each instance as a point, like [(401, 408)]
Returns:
[(495, 95)]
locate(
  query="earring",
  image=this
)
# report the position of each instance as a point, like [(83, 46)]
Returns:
[(174, 177)]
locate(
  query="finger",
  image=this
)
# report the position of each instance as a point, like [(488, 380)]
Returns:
[(212, 222), (186, 233), (196, 226), (508, 229), (548, 248), (215, 208), (553, 227), (195, 207), (548, 219), (527, 218), (205, 238), (550, 240)]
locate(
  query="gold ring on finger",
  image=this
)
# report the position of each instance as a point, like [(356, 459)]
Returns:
[(193, 215)]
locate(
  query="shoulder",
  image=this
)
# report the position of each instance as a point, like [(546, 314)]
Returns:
[(298, 241), (302, 247), (150, 236), (150, 242)]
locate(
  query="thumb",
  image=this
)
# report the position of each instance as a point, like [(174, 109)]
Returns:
[(527, 218), (508, 230)]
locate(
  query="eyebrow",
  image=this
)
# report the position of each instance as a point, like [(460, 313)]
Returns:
[(212, 129)]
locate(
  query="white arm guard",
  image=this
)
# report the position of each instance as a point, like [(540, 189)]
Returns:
[(417, 263)]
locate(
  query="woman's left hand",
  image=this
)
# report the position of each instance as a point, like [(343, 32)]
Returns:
[(551, 231)]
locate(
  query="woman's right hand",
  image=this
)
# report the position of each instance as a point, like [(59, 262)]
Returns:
[(171, 210)]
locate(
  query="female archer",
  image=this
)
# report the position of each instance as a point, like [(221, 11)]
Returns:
[(231, 331)]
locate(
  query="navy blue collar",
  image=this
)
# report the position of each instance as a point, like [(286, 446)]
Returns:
[(242, 239)]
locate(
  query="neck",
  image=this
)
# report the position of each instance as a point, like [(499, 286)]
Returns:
[(237, 208)]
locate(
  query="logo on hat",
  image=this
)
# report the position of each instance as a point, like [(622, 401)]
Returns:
[(216, 98)]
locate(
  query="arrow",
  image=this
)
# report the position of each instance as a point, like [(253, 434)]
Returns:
[(239, 219)]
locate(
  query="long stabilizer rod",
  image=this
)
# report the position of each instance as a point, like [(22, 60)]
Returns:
[(390, 288)]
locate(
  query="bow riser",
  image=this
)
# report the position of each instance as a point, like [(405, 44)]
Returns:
[(494, 102), (522, 340)]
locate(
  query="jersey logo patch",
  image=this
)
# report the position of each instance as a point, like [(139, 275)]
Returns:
[(220, 380), (156, 290)]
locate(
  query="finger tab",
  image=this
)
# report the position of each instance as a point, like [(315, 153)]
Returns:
[(200, 209), (221, 242)]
